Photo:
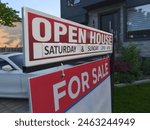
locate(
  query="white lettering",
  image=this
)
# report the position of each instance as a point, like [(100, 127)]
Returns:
[(58, 95), (92, 37), (59, 29), (36, 29), (106, 68), (82, 36), (70, 92), (72, 34), (94, 75), (85, 80), (98, 38), (100, 75)]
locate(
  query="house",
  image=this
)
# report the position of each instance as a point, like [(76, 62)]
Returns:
[(11, 38), (128, 20)]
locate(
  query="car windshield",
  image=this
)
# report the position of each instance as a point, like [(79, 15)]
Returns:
[(18, 60)]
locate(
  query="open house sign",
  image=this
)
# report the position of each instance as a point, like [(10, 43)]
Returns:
[(49, 39)]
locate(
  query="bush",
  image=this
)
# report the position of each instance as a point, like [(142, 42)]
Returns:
[(146, 66), (123, 77), (121, 66), (130, 62)]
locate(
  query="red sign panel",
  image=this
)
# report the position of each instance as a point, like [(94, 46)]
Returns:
[(53, 93), (48, 39)]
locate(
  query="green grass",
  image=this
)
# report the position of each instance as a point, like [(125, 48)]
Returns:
[(132, 99)]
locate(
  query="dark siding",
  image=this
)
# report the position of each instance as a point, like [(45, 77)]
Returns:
[(100, 3), (132, 3), (77, 14), (91, 2)]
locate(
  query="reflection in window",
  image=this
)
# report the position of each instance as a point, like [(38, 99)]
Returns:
[(17, 59), (73, 2), (138, 22), (3, 63)]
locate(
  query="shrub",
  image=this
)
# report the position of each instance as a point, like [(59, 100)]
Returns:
[(146, 66), (130, 54), (123, 77), (128, 66), (122, 66)]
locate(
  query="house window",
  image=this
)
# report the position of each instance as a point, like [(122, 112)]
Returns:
[(73, 3), (138, 22)]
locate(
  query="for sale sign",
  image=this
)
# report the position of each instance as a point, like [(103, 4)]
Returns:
[(54, 93), (48, 39)]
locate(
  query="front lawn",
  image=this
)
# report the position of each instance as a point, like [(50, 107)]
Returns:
[(132, 99)]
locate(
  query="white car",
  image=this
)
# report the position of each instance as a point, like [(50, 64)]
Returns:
[(13, 82)]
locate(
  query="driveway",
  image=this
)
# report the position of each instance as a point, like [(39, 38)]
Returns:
[(14, 105)]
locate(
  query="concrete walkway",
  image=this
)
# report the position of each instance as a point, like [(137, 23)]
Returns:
[(134, 83), (14, 105)]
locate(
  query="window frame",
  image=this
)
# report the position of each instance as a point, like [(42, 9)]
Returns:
[(126, 38), (73, 4)]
